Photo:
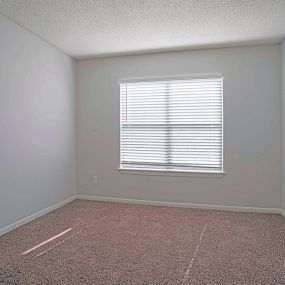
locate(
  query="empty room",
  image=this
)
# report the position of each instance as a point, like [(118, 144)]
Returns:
[(142, 142)]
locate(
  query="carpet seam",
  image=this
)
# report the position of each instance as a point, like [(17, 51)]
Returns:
[(187, 273)]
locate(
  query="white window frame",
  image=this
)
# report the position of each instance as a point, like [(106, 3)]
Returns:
[(172, 172)]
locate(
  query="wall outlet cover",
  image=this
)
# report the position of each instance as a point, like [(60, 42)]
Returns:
[(94, 179)]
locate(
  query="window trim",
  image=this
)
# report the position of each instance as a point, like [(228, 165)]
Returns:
[(172, 172), (175, 173)]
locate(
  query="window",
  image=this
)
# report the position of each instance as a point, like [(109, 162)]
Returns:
[(172, 125)]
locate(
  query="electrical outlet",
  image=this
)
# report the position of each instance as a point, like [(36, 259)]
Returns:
[(94, 179)]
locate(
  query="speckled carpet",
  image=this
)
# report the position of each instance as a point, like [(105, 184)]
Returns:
[(88, 242)]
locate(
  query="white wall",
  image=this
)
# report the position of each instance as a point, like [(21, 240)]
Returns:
[(37, 124), (252, 121), (283, 123)]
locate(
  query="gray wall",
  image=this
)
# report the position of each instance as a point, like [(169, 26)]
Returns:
[(283, 123), (37, 124), (252, 122)]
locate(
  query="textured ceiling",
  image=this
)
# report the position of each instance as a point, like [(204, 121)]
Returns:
[(86, 28)]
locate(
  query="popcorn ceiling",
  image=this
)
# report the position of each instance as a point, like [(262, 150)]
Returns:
[(87, 28)]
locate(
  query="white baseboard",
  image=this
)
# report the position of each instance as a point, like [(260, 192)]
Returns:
[(141, 202), (181, 205), (35, 216)]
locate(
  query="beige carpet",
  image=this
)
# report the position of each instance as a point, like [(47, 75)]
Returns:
[(94, 243)]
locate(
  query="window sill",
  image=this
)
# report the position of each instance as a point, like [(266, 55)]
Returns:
[(175, 173)]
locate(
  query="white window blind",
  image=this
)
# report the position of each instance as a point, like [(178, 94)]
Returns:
[(174, 125)]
